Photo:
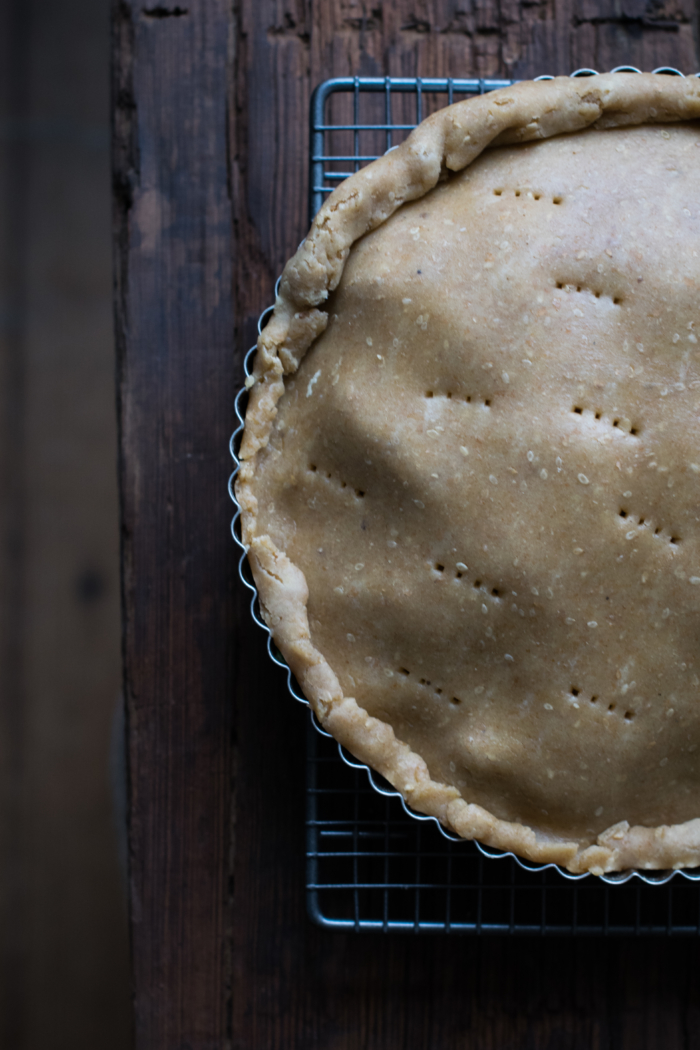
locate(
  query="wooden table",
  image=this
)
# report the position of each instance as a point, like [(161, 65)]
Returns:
[(210, 197)]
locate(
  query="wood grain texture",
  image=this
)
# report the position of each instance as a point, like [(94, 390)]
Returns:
[(176, 380), (293, 985)]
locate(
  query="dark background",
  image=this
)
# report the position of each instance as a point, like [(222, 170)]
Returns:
[(208, 191), (64, 968)]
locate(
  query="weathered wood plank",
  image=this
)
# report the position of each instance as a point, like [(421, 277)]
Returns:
[(173, 230)]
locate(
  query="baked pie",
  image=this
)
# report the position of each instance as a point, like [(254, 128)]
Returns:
[(470, 480)]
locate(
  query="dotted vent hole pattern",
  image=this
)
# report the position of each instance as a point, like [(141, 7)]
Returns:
[(426, 684), (617, 300), (621, 423), (527, 194), (593, 699), (494, 593), (462, 398), (313, 469), (644, 523)]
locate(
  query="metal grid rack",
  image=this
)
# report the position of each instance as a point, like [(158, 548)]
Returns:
[(354, 120), (371, 866)]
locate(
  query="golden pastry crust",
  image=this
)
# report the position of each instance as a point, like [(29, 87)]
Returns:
[(469, 501)]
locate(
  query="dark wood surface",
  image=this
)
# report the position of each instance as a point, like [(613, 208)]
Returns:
[(210, 193)]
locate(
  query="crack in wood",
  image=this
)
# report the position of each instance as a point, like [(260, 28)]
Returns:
[(289, 27), (633, 22), (159, 11), (366, 22)]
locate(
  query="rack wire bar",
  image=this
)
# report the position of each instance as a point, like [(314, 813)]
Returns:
[(447, 89), (370, 864)]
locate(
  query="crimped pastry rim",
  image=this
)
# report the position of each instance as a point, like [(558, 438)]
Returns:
[(525, 112)]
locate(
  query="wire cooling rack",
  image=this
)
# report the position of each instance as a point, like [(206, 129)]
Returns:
[(371, 865)]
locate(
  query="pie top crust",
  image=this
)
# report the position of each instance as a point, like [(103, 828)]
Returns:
[(471, 467)]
